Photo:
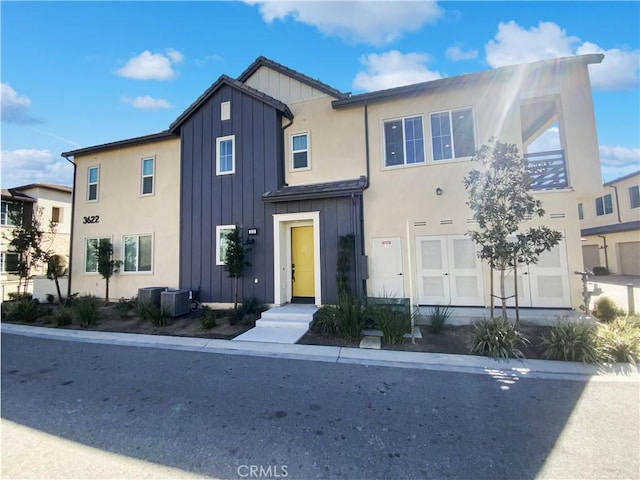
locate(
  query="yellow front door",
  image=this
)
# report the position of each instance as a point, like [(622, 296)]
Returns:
[(302, 265)]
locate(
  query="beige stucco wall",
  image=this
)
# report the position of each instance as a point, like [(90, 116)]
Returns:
[(622, 211), (122, 210), (398, 197)]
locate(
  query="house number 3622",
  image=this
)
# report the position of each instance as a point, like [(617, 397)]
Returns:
[(91, 219)]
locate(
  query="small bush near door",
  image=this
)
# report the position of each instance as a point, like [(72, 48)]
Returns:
[(619, 341), (438, 316), (85, 309), (571, 341), (497, 338), (393, 324), (606, 310)]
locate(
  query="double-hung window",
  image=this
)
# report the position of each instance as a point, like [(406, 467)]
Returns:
[(93, 177), (634, 196), (221, 242), (225, 155), (9, 262), (604, 205), (138, 253), (452, 134), (148, 171), (10, 213), (300, 151), (91, 247), (403, 141)]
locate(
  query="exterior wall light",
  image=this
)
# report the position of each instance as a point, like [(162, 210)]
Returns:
[(438, 191)]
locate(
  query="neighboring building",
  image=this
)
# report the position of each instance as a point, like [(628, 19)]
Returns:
[(301, 167), (610, 225), (52, 204)]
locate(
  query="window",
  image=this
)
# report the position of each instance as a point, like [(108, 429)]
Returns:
[(604, 205), (580, 212), (92, 184), (148, 169), (634, 196), (221, 242), (300, 151), (9, 262), (10, 211), (56, 215), (403, 142), (225, 111), (91, 254), (225, 155), (452, 134), (138, 252)]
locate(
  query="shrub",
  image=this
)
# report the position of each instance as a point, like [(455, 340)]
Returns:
[(50, 297), (86, 310), (158, 317), (124, 306), (20, 296), (619, 340), (351, 318), (393, 323), (606, 310), (250, 306), (64, 317), (26, 311), (207, 317), (438, 316), (571, 341), (497, 338), (326, 320)]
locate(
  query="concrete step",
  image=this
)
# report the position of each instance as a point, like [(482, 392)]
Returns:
[(291, 312), (284, 323), (271, 335)]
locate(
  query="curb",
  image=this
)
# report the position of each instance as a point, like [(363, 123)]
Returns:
[(548, 369)]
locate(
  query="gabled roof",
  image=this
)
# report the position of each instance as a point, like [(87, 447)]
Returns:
[(46, 186), (624, 177), (461, 80), (317, 84), (164, 135), (226, 80), (340, 188)]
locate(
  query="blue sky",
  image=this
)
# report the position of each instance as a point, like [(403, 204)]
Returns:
[(76, 74)]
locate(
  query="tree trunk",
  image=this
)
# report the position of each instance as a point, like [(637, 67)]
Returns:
[(55, 279), (106, 291), (235, 294), (503, 296)]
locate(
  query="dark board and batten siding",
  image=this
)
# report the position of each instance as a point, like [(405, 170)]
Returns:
[(209, 200)]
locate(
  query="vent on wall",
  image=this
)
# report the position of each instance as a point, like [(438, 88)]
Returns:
[(471, 220), (419, 224), (446, 222), (557, 215)]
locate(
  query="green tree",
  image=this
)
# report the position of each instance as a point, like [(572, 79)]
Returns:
[(107, 266), (26, 241), (500, 200), (56, 268), (235, 260)]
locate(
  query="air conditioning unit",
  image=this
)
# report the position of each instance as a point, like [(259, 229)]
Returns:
[(175, 302), (150, 295)]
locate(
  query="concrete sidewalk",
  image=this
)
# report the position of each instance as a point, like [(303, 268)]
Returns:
[(431, 361)]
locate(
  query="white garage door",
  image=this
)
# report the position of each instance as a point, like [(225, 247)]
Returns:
[(629, 258)]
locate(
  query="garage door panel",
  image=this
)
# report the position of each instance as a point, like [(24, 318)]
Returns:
[(629, 258)]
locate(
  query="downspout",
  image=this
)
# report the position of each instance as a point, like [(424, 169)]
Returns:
[(363, 281), (284, 151), (73, 216), (617, 202)]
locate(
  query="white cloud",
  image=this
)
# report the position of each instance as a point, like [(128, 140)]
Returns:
[(147, 102), (370, 22), (514, 44), (14, 108), (456, 53), (152, 66), (617, 161), (548, 141), (26, 165), (393, 69)]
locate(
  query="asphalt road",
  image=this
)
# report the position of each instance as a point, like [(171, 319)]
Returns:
[(83, 410)]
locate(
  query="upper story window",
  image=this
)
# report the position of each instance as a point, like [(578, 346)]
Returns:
[(225, 111), (56, 215), (604, 205), (300, 151), (580, 212), (452, 134), (138, 253), (10, 211), (403, 142), (93, 177), (225, 155), (148, 173), (634, 196)]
